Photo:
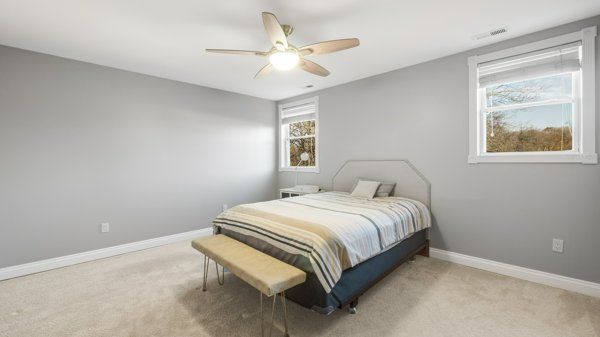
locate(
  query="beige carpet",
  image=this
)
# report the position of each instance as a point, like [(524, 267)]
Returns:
[(156, 293)]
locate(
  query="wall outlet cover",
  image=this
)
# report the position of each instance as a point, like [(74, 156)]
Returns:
[(224, 207), (557, 245), (104, 227)]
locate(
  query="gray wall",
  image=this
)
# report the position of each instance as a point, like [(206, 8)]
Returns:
[(82, 144), (502, 212)]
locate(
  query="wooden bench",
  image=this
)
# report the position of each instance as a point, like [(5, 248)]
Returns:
[(267, 274)]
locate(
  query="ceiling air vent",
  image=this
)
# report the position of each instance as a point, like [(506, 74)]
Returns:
[(492, 33)]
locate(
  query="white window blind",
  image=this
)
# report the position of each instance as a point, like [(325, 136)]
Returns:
[(298, 113), (556, 60)]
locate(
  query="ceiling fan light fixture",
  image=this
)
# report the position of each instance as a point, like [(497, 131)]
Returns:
[(284, 56), (284, 60)]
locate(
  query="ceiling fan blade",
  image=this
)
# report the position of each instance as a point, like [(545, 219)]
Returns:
[(237, 52), (314, 68), (274, 30), (265, 70), (329, 46)]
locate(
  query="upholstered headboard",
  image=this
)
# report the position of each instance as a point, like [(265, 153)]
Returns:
[(410, 183)]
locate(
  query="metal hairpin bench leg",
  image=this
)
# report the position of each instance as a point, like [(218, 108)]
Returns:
[(284, 314), (220, 279), (206, 261), (262, 329)]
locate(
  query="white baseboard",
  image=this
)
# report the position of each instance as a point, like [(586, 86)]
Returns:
[(63, 261), (553, 280)]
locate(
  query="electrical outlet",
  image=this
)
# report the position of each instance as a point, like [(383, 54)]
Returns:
[(104, 227), (225, 207), (557, 245)]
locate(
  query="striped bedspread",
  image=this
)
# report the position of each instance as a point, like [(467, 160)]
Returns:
[(333, 230)]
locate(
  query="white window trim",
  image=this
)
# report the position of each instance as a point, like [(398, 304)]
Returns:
[(281, 138), (586, 153)]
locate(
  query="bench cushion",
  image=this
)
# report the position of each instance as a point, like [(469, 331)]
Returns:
[(265, 273)]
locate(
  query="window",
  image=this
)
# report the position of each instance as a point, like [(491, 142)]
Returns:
[(534, 103), (299, 133)]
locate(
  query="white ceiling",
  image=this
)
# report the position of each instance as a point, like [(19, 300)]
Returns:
[(167, 38)]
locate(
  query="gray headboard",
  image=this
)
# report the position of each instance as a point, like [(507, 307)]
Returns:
[(410, 183)]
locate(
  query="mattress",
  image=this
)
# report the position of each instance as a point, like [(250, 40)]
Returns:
[(325, 233)]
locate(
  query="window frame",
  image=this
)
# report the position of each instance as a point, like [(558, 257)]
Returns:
[(584, 133), (283, 139)]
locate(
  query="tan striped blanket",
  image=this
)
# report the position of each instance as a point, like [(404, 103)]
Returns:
[(333, 230)]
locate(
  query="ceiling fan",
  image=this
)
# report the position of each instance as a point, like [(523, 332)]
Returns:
[(284, 56)]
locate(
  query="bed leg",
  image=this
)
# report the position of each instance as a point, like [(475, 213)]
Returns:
[(425, 250), (352, 307)]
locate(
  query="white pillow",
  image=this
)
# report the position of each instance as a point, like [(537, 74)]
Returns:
[(365, 189)]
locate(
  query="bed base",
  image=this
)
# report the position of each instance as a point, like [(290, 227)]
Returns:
[(422, 250), (357, 280)]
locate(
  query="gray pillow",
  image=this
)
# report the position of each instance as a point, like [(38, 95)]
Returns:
[(384, 190)]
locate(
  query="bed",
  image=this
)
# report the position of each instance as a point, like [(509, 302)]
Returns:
[(344, 243)]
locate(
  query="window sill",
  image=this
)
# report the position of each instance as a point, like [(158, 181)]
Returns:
[(299, 169), (534, 158)]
